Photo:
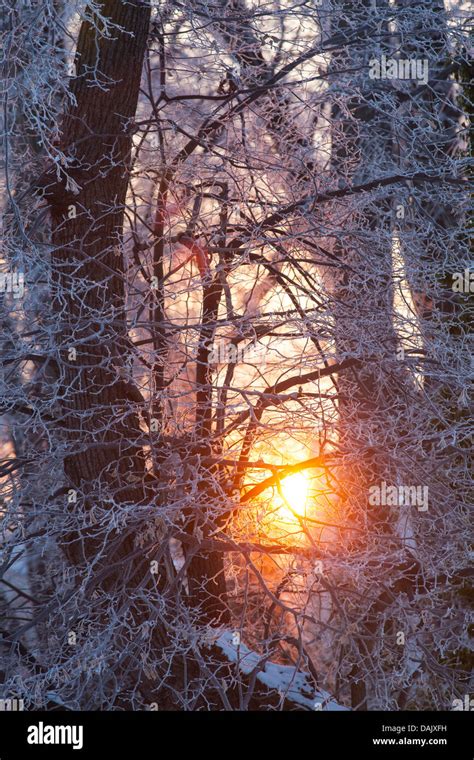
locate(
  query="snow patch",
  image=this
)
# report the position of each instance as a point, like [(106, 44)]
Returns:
[(292, 684)]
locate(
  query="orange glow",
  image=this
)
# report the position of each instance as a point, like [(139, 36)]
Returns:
[(294, 496)]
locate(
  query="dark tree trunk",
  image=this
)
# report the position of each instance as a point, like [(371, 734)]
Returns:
[(104, 463), (88, 261)]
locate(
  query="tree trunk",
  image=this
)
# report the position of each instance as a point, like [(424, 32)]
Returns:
[(104, 464)]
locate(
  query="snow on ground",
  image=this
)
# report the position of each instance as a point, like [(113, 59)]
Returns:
[(292, 684)]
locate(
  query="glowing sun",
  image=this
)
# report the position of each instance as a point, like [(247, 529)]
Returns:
[(294, 489)]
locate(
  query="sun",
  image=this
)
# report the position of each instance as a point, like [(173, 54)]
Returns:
[(294, 489)]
